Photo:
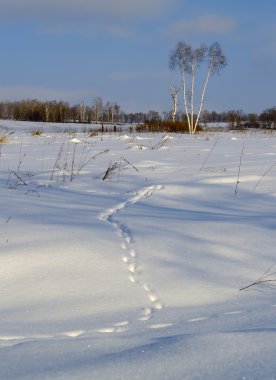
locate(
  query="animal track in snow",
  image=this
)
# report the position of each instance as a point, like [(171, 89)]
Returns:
[(113, 329), (135, 275), (159, 325), (130, 256), (117, 327), (233, 312), (20, 338), (123, 323), (197, 319), (73, 334), (12, 337)]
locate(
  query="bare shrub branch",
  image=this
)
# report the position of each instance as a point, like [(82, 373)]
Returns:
[(19, 178), (264, 280)]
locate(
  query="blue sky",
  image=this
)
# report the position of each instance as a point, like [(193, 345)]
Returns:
[(74, 50)]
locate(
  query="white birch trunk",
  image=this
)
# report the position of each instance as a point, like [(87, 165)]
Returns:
[(174, 108), (174, 95), (202, 100), (185, 100), (192, 96)]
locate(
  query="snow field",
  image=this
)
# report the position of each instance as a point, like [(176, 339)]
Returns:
[(138, 275)]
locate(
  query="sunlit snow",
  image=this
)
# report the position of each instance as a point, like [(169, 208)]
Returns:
[(136, 276)]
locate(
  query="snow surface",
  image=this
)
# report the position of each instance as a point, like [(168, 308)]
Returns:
[(136, 276)]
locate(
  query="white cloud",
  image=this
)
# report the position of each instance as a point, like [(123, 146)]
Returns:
[(208, 25)]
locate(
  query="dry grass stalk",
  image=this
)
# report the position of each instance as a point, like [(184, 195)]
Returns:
[(116, 167), (239, 171), (264, 280), (208, 155), (262, 177), (4, 139), (37, 132)]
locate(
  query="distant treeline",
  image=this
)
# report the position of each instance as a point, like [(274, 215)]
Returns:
[(110, 112), (63, 112), (59, 112), (237, 118)]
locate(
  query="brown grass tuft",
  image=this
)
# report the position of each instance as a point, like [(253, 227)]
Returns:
[(165, 126)]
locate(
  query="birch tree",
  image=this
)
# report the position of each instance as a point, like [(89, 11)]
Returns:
[(82, 112), (188, 61), (97, 109), (174, 94), (181, 58)]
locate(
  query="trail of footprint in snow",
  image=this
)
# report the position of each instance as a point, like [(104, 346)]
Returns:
[(69, 334), (72, 334), (130, 256), (160, 325), (109, 330), (197, 319), (130, 260), (12, 337)]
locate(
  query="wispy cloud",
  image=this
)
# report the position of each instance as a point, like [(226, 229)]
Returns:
[(211, 24)]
